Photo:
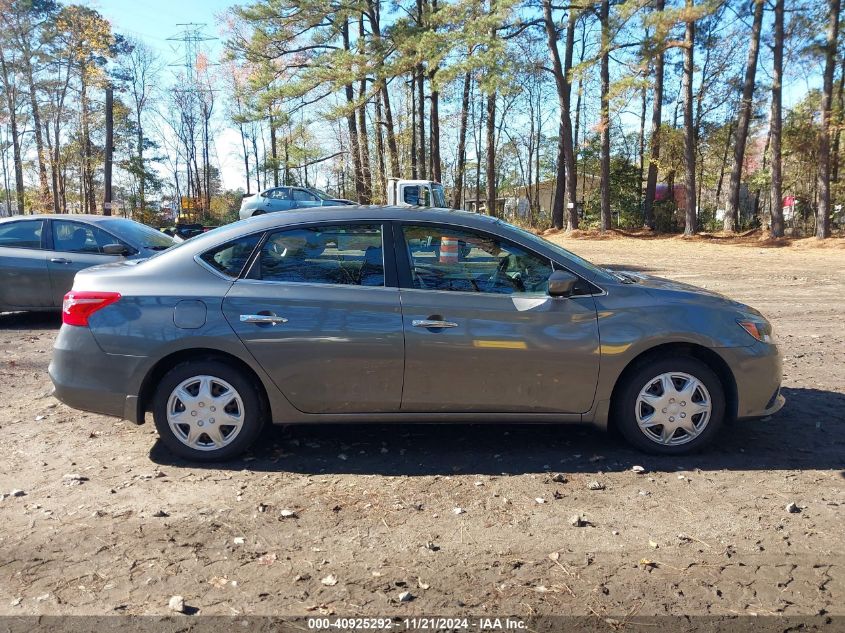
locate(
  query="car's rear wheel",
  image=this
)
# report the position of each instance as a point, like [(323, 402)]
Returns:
[(207, 411), (670, 406)]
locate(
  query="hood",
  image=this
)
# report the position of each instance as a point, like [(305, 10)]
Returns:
[(668, 288)]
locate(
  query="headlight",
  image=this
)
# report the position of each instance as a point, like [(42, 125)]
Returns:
[(759, 329)]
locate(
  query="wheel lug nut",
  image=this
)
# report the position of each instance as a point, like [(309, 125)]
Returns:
[(671, 419), (671, 400), (683, 415), (202, 404), (683, 403), (200, 423), (663, 410), (213, 409), (211, 421), (194, 413)]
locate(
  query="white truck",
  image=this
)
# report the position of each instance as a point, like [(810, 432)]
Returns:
[(415, 193)]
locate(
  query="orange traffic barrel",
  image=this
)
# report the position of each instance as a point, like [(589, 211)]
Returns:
[(448, 250)]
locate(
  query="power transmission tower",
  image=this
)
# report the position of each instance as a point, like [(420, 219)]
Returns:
[(191, 37), (190, 40)]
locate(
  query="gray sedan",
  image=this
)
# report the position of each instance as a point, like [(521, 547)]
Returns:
[(374, 314), (40, 254)]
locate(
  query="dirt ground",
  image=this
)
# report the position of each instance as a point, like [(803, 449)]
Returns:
[(468, 519)]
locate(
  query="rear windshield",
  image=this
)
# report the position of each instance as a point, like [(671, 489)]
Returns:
[(138, 234)]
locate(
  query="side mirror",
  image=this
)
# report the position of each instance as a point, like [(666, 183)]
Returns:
[(115, 249), (562, 283)]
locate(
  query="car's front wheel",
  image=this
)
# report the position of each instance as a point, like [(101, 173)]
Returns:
[(670, 406), (207, 411)]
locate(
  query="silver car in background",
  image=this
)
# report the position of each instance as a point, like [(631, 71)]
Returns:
[(378, 314), (285, 199), (41, 254)]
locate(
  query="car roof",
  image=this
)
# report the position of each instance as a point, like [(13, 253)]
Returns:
[(85, 217)]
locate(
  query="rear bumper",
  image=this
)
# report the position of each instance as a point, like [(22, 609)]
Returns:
[(86, 378)]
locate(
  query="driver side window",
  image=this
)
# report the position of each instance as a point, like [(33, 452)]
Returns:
[(468, 261)]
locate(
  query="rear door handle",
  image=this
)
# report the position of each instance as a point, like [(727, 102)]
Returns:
[(60, 260), (267, 319), (432, 323)]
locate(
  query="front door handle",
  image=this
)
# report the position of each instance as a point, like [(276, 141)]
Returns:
[(60, 260), (432, 323), (267, 319)]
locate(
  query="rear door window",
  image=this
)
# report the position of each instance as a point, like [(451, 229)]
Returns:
[(336, 254), (75, 237), (22, 234)]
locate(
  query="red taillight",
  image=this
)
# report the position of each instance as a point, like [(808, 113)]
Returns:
[(79, 305)]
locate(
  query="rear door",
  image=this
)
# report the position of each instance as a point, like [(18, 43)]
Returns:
[(481, 332), (319, 310), (24, 279), (277, 199), (73, 246)]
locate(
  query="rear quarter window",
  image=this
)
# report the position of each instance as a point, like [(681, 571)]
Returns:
[(231, 257)]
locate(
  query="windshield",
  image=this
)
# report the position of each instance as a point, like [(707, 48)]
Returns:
[(439, 196), (565, 254), (322, 195), (138, 234)]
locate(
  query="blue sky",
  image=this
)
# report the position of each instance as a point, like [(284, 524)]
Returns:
[(155, 20)]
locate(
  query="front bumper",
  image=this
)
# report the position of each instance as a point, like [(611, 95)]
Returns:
[(757, 371), (87, 378)]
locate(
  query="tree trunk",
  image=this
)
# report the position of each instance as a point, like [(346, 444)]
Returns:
[(732, 206), (458, 192), (641, 176), (604, 118), (776, 125), (656, 121), (373, 13), (380, 165), (559, 198), (823, 216), (421, 164), (353, 129), (10, 92), (364, 137), (491, 154), (840, 121), (414, 171), (35, 111), (392, 148), (273, 153), (689, 127), (364, 144), (434, 130)]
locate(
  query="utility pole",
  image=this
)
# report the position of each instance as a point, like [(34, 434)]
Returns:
[(109, 149)]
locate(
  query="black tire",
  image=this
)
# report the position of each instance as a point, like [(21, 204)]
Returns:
[(625, 402), (253, 413)]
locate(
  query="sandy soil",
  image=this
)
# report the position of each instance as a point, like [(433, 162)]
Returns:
[(108, 522)]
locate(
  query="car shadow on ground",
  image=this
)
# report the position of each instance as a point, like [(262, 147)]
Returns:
[(30, 320), (808, 434)]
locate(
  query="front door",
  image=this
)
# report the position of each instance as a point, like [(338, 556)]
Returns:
[(481, 332), (75, 245), (320, 312)]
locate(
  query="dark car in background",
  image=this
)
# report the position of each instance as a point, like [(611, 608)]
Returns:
[(375, 314), (286, 198), (41, 254)]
